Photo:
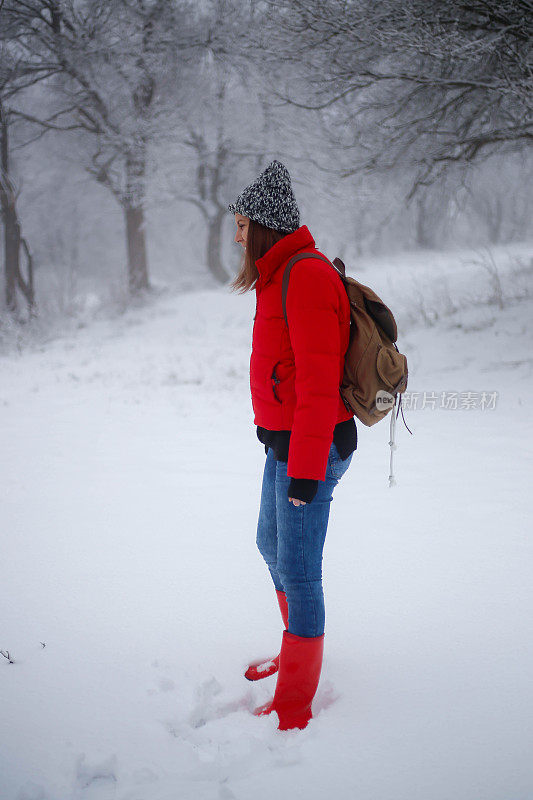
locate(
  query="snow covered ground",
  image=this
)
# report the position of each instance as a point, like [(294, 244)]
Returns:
[(133, 596)]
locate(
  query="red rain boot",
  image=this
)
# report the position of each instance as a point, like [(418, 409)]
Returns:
[(300, 663), (262, 669)]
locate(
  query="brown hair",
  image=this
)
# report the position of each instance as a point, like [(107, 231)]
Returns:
[(259, 239)]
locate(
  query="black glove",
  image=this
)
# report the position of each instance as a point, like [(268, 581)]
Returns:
[(303, 489)]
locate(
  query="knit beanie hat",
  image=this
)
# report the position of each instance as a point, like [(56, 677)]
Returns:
[(270, 200)]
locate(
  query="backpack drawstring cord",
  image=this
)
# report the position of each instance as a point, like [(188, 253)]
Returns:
[(392, 431), (400, 408)]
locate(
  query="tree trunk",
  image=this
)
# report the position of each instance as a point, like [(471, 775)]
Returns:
[(135, 221), (136, 243), (423, 233), (11, 255), (495, 219), (214, 242), (11, 224)]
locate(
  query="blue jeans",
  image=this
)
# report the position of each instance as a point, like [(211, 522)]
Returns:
[(291, 540)]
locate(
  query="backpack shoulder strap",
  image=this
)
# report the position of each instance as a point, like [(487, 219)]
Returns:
[(286, 275)]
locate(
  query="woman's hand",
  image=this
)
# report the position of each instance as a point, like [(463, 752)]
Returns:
[(301, 487)]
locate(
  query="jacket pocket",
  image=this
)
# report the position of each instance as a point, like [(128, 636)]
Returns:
[(274, 380)]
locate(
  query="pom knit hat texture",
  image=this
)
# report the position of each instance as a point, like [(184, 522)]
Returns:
[(270, 200)]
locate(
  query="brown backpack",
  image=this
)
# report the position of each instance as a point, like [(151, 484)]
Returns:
[(375, 371)]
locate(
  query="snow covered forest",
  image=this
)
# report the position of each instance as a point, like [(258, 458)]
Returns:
[(132, 591), (127, 127)]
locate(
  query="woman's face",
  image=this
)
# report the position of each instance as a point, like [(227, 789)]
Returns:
[(242, 230)]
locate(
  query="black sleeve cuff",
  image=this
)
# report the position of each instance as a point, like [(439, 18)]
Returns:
[(303, 489)]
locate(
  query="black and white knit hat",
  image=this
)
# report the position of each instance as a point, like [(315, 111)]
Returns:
[(270, 200)]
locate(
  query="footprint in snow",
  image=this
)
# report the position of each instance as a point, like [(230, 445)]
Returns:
[(96, 781), (224, 792), (325, 697), (206, 709)]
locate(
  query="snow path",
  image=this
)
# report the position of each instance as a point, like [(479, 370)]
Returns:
[(131, 477)]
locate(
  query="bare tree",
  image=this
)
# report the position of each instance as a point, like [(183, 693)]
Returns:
[(210, 179), (117, 66), (215, 136), (416, 83), (499, 196), (13, 80), (227, 94)]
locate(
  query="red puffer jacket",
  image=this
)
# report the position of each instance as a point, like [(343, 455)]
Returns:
[(295, 373)]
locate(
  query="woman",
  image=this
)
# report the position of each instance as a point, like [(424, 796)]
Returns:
[(308, 434)]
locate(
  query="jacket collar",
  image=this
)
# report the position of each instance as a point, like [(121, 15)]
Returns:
[(280, 252)]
